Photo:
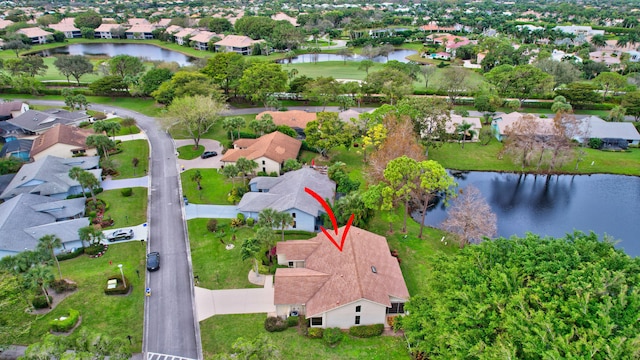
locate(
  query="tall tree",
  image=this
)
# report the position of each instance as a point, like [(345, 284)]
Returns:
[(429, 116), (394, 84), (246, 167), (193, 115), (631, 101), (427, 72), (126, 66), (230, 171), (610, 81), (90, 234), (326, 132), (283, 220), (102, 143), (400, 175), (49, 243), (233, 124), (40, 277), (322, 89), (522, 82), (27, 65), (89, 19), (186, 83), (262, 79), (470, 217), (152, 79), (196, 177), (226, 69), (366, 65), (454, 82), (433, 181), (73, 65), (522, 140), (249, 250), (108, 127), (17, 45)]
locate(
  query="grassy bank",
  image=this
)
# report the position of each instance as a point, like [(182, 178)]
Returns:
[(215, 187), (126, 211)]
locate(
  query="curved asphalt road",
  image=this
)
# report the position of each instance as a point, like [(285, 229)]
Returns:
[(170, 326)]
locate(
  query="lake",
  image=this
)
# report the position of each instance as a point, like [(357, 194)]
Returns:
[(399, 55), (556, 205), (145, 51)]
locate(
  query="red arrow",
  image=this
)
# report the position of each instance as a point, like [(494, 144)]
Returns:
[(334, 222)]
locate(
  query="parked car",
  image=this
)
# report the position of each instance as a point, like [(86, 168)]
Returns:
[(153, 261), (208, 154), (120, 234)]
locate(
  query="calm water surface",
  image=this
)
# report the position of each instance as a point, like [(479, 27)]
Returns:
[(399, 55), (146, 51), (556, 205)]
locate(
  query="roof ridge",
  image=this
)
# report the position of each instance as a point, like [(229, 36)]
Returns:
[(355, 262)]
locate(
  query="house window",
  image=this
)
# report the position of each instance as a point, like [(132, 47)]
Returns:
[(264, 170), (290, 263), (294, 225), (293, 215), (357, 320), (263, 162), (396, 308), (358, 308), (316, 321)]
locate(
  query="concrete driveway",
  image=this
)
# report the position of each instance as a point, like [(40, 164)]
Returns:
[(193, 211), (110, 184), (198, 163), (235, 301)]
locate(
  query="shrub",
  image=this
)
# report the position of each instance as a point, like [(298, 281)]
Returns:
[(273, 174), (595, 143), (60, 286), (293, 321), (261, 173), (241, 217), (212, 225), (99, 116), (274, 323), (94, 249), (126, 192), (250, 221), (315, 333), (365, 331), (84, 124), (70, 255), (40, 302), (332, 336), (236, 222), (65, 323), (120, 289)]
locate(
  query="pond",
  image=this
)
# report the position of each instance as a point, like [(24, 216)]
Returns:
[(144, 51), (556, 205), (399, 55)]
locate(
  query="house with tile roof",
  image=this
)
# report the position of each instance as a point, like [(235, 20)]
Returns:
[(184, 34), (37, 35), (240, 44), (63, 141), (286, 193), (11, 109), (201, 39), (173, 29), (4, 23), (140, 32), (284, 17), (162, 23), (105, 31), (50, 177), (450, 42), (452, 124), (295, 119), (138, 21), (270, 151), (68, 27), (36, 122), (360, 285), (26, 218), (501, 124)]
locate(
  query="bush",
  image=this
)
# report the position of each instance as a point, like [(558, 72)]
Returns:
[(273, 174), (236, 223), (250, 221), (120, 289), (66, 324), (60, 286), (332, 336), (315, 333), (126, 192), (94, 249), (305, 146), (293, 321), (40, 302), (366, 331), (99, 116), (71, 254), (595, 143), (274, 323), (212, 225), (261, 173), (241, 217), (84, 124)]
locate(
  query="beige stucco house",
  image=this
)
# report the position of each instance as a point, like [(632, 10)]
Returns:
[(269, 151), (63, 141), (240, 44), (37, 35)]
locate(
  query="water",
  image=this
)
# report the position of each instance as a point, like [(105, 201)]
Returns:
[(144, 51), (399, 55), (556, 205)]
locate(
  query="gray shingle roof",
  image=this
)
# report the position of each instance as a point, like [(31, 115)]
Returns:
[(49, 176), (287, 192), (16, 145), (67, 231), (38, 121), (598, 128)]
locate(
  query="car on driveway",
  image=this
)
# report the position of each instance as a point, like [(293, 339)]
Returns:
[(153, 261), (120, 234), (208, 154)]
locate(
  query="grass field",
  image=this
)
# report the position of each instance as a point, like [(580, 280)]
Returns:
[(187, 152), (123, 161), (215, 188), (126, 211)]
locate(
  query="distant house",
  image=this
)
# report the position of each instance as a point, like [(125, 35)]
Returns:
[(5, 23), (201, 39), (37, 35), (295, 119), (450, 42), (619, 133), (605, 57), (105, 31), (26, 218), (440, 56), (50, 177), (140, 32), (286, 194), (282, 16), (360, 285), (579, 30), (138, 21), (162, 23), (68, 27), (36, 122), (270, 151), (501, 124), (184, 34), (18, 148), (240, 44), (173, 29), (634, 56), (63, 141), (11, 109), (451, 126), (434, 27)]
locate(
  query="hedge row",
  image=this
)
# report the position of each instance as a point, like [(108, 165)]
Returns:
[(70, 255), (275, 324), (365, 331), (62, 325)]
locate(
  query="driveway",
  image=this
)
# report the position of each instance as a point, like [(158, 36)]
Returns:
[(140, 232), (235, 301), (194, 211), (110, 184), (198, 163)]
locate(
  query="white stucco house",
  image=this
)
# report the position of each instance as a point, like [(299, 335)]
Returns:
[(270, 151), (360, 285), (286, 193)]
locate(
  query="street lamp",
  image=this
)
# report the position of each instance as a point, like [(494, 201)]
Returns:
[(121, 273)]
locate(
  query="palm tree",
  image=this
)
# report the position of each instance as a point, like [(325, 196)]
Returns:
[(90, 234), (49, 243), (463, 130), (74, 173), (250, 248), (86, 180), (197, 177), (283, 220), (230, 171), (40, 277), (293, 73), (268, 218), (598, 41)]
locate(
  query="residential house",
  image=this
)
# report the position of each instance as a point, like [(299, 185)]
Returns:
[(201, 40), (634, 56), (37, 122), (11, 109), (4, 23), (50, 177), (18, 148), (162, 23), (451, 126), (68, 27), (105, 31), (63, 141), (559, 55), (140, 32), (579, 30), (450, 42), (501, 124), (26, 218), (286, 193), (185, 34), (529, 28), (604, 57), (37, 35), (360, 285), (434, 27), (295, 119), (240, 44), (284, 17), (270, 151), (439, 56), (617, 134), (138, 21), (173, 29)]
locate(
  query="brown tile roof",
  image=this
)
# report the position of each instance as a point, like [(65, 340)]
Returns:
[(350, 274), (107, 27), (34, 32), (7, 108), (61, 134), (237, 41), (5, 23), (291, 118), (275, 146), (138, 21), (204, 36), (64, 27), (297, 249), (141, 28)]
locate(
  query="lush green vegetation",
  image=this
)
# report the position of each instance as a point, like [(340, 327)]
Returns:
[(126, 211), (123, 161), (187, 152), (125, 130), (215, 188)]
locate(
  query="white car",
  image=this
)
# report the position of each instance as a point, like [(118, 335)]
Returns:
[(120, 234)]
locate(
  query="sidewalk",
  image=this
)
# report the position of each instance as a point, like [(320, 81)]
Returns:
[(110, 184), (194, 211)]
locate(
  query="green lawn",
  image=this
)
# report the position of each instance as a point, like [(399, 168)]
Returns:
[(126, 211), (128, 130), (113, 316), (220, 332), (187, 152), (123, 161), (215, 187), (145, 106)]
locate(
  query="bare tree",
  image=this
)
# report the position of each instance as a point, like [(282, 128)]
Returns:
[(523, 140), (454, 82), (470, 217), (427, 72)]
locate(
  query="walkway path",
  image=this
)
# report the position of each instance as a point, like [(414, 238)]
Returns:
[(110, 184), (235, 301), (198, 163), (194, 211)]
